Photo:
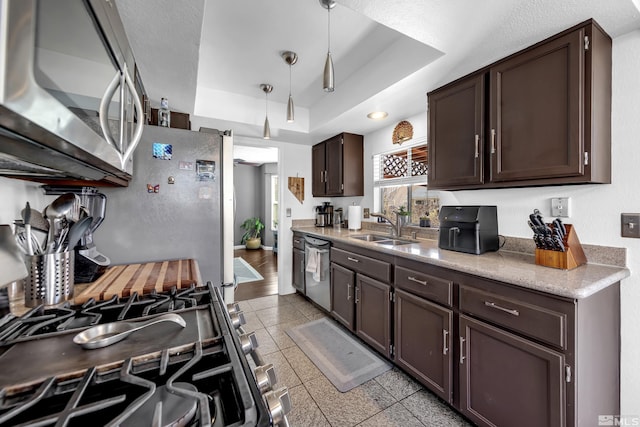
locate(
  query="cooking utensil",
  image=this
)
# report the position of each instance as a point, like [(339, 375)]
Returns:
[(26, 217), (111, 333), (38, 222), (76, 231), (61, 208)]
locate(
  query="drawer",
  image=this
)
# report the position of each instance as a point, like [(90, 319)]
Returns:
[(425, 285), (535, 321), (371, 267), (298, 241)]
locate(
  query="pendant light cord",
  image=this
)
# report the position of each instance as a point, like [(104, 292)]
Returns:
[(329, 30), (289, 79)]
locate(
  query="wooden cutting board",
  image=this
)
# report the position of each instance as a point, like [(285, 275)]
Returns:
[(123, 280)]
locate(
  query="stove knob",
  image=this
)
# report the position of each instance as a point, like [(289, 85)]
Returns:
[(233, 308), (237, 319), (248, 342), (265, 377), (279, 403)]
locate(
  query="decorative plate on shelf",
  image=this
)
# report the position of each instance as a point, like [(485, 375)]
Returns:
[(402, 132)]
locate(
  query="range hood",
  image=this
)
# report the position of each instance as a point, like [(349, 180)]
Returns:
[(50, 75)]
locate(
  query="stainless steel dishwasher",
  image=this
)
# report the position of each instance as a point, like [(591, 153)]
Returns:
[(317, 271)]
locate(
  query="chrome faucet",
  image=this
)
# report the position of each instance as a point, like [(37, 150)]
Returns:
[(396, 228)]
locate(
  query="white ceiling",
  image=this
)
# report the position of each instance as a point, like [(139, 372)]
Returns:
[(209, 57)]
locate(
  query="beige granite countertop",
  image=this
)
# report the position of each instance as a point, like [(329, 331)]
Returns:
[(516, 268)]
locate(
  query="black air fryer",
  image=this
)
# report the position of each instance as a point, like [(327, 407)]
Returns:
[(470, 229)]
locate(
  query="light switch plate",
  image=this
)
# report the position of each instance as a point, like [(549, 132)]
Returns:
[(366, 212), (630, 225), (288, 212), (561, 207)]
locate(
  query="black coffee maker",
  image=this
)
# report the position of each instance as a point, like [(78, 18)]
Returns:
[(470, 229), (324, 215)]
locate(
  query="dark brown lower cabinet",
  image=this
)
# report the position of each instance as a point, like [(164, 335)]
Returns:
[(343, 291), (423, 332), (506, 380), (373, 313)]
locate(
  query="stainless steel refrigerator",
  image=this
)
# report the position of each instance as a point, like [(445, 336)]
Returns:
[(174, 207)]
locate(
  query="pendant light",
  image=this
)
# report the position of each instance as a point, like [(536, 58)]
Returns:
[(266, 88), (290, 58), (327, 75)]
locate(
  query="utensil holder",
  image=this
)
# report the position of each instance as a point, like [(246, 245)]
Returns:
[(50, 280), (573, 256)]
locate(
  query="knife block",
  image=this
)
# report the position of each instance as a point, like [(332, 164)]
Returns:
[(573, 256)]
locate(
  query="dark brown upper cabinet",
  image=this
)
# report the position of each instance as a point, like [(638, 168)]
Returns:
[(456, 117), (541, 116), (338, 166)]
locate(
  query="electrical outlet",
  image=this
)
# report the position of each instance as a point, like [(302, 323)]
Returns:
[(560, 207), (366, 212), (630, 225), (288, 212)]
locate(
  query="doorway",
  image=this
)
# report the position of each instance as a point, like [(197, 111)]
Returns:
[(257, 188)]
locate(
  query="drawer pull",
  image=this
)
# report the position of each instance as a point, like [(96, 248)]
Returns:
[(348, 291), (353, 259), (296, 241), (462, 340), (497, 307), (413, 279), (445, 346)]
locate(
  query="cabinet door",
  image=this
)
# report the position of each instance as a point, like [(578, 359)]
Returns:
[(298, 270), (343, 295), (333, 166), (373, 313), (318, 171), (506, 380), (423, 342), (537, 112), (456, 123)]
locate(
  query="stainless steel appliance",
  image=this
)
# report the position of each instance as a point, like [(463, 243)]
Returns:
[(198, 375), (173, 206), (324, 215), (318, 271), (470, 229), (57, 60)]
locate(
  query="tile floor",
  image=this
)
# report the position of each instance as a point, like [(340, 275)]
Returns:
[(391, 399)]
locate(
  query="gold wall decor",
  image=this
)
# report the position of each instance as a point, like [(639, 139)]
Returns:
[(402, 132)]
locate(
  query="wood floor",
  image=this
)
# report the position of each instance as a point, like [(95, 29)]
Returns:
[(266, 263)]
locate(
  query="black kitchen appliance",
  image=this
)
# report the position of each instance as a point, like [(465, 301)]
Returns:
[(470, 229), (324, 215), (192, 376)]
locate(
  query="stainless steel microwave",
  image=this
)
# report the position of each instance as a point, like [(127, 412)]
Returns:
[(69, 108)]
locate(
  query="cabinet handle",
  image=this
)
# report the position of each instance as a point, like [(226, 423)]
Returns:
[(462, 357), (348, 291), (302, 266), (493, 141), (353, 259), (296, 241), (413, 279), (445, 346), (357, 295), (506, 310), (477, 145)]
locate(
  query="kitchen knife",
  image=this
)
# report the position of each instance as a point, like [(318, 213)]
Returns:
[(558, 225)]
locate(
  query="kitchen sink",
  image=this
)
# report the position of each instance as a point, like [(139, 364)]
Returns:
[(395, 242), (382, 240), (370, 237)]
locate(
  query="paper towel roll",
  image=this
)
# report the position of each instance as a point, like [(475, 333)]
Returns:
[(355, 217)]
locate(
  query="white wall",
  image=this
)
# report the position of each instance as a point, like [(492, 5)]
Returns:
[(595, 209), (14, 194)]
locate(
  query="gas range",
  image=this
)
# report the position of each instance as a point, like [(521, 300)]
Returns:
[(193, 376)]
